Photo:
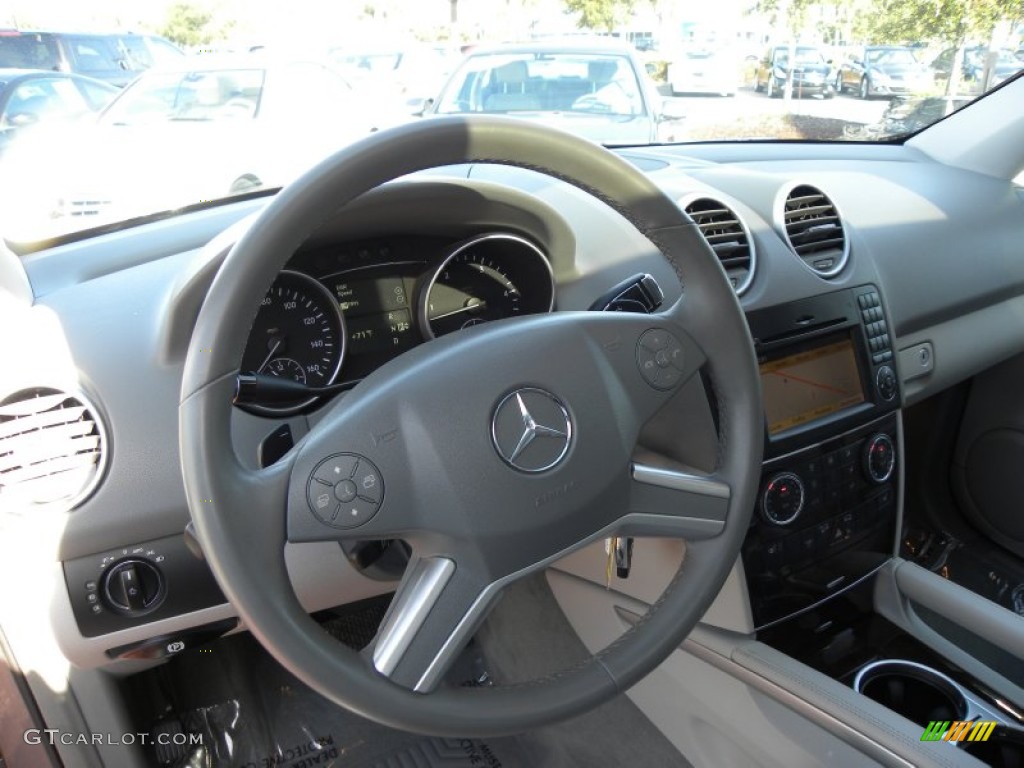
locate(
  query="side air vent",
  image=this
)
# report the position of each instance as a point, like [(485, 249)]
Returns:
[(814, 230), (52, 448), (728, 238)]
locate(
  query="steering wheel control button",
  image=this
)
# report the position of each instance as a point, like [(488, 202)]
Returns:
[(659, 356), (345, 490), (531, 430)]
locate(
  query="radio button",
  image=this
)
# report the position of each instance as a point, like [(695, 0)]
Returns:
[(885, 382)]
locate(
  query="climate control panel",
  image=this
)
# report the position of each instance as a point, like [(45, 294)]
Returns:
[(826, 517)]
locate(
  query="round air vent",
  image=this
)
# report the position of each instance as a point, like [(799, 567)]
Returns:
[(728, 238), (52, 448), (814, 230)]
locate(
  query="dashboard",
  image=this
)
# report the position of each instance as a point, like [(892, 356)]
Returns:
[(829, 249)]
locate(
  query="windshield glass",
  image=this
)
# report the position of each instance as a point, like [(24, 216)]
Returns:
[(803, 56), (197, 95), (892, 57), (177, 103)]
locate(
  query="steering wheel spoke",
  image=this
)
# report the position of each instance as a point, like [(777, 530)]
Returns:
[(667, 499), (440, 603)]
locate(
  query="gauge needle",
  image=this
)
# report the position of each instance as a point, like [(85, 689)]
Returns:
[(270, 355), (476, 304)]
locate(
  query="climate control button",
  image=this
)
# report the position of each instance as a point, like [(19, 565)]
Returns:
[(879, 458), (783, 498)]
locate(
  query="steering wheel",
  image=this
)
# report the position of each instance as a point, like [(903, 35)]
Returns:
[(492, 452)]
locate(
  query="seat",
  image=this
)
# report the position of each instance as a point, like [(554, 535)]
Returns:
[(509, 81)]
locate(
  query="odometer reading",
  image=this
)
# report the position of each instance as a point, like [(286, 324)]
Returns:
[(298, 334)]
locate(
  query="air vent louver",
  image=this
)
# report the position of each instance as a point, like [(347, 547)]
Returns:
[(814, 230), (727, 237), (51, 448)]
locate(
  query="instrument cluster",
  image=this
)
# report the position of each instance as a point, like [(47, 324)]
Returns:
[(338, 313)]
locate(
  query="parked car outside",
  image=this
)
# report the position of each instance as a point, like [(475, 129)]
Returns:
[(884, 70), (114, 58), (410, 76), (810, 69), (596, 89), (31, 97), (1004, 66), (199, 131), (704, 70)]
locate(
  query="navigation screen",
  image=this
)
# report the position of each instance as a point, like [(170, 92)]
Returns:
[(809, 385)]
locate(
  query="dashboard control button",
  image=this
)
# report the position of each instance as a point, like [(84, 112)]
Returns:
[(345, 490), (885, 382), (783, 498), (133, 587), (879, 458)]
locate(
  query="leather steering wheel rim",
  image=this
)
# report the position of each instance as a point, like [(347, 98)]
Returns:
[(244, 517)]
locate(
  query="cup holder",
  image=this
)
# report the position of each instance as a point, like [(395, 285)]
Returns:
[(919, 693)]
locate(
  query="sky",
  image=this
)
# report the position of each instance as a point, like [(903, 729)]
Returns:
[(348, 22)]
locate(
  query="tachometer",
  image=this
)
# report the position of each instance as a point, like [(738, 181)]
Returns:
[(298, 334), (489, 277)]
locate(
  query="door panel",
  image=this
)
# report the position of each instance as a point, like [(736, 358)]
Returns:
[(988, 463)]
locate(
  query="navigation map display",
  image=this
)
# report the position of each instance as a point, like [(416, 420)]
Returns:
[(811, 384)]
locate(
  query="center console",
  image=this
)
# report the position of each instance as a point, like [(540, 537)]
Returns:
[(827, 504)]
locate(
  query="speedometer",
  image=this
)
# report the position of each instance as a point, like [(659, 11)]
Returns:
[(298, 334), (486, 278)]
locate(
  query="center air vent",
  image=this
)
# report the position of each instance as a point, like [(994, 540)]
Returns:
[(51, 449), (814, 230), (727, 237)]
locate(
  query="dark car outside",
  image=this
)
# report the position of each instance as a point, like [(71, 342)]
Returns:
[(114, 58), (810, 71), (883, 70), (30, 97), (596, 89), (1004, 65)]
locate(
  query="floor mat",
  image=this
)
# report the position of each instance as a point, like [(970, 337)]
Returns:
[(240, 708)]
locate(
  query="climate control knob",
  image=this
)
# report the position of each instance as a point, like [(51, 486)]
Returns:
[(879, 458), (783, 498), (133, 587)]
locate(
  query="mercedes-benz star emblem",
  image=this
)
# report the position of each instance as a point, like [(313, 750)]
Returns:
[(531, 430)]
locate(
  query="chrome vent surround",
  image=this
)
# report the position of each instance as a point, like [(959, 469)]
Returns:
[(52, 448), (728, 237), (814, 230)]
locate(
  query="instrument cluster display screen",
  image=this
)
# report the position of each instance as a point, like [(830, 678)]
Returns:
[(811, 384), (377, 314)]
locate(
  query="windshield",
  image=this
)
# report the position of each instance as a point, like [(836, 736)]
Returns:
[(901, 57), (196, 95), (183, 103), (804, 56)]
